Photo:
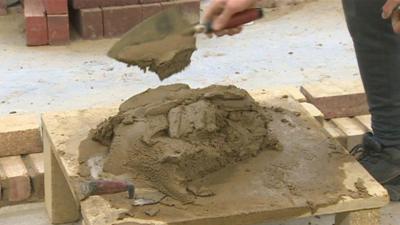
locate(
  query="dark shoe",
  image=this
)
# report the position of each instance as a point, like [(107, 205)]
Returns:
[(383, 163), (393, 187)]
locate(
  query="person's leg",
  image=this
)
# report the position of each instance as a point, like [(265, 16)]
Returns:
[(378, 53)]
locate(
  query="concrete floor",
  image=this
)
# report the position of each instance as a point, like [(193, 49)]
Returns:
[(290, 47)]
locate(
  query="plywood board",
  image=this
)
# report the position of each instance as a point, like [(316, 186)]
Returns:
[(353, 130), (309, 161), (365, 120)]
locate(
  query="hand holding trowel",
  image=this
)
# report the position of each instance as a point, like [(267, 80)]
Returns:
[(165, 42)]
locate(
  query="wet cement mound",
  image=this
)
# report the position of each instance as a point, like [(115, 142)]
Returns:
[(173, 135)]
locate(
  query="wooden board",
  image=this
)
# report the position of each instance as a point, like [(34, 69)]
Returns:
[(365, 120), (353, 130), (269, 196)]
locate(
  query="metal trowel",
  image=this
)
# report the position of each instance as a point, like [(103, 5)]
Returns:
[(165, 42)]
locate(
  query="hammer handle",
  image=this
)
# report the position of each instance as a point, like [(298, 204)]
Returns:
[(101, 187)]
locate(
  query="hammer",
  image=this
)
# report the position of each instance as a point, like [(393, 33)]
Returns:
[(103, 187)]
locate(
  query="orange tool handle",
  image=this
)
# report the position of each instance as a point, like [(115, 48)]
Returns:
[(244, 17), (240, 18), (101, 187)]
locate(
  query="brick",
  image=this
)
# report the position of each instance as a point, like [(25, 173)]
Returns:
[(120, 19), (19, 134), (89, 4), (58, 27), (337, 99), (89, 23), (108, 3), (3, 12), (56, 7), (3, 7), (15, 179), (35, 166), (85, 4), (150, 1), (190, 9), (35, 22), (150, 10)]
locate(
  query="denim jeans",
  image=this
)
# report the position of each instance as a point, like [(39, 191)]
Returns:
[(378, 54)]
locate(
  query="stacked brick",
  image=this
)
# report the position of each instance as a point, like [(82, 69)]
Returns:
[(3, 7), (46, 22), (21, 160), (95, 19)]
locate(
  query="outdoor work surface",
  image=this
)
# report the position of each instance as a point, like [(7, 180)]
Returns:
[(310, 175)]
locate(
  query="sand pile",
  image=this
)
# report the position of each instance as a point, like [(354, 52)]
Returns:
[(172, 135)]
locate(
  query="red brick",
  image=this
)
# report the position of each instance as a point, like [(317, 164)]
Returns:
[(190, 9), (120, 19), (150, 1), (19, 134), (3, 12), (337, 99), (88, 4), (15, 179), (3, 4), (108, 3), (58, 26), (89, 23), (150, 10), (35, 166), (56, 7), (35, 22), (3, 7), (85, 4)]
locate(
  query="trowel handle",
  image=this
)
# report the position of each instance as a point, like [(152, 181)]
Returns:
[(102, 187), (240, 18)]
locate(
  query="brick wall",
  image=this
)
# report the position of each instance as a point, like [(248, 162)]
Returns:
[(95, 19)]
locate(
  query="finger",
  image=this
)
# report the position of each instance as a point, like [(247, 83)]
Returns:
[(396, 22), (389, 7), (214, 8), (221, 20)]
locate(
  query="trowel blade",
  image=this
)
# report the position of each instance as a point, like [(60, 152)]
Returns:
[(160, 44), (147, 196)]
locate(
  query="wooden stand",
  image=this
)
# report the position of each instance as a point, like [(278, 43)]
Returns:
[(62, 133), (363, 217)]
